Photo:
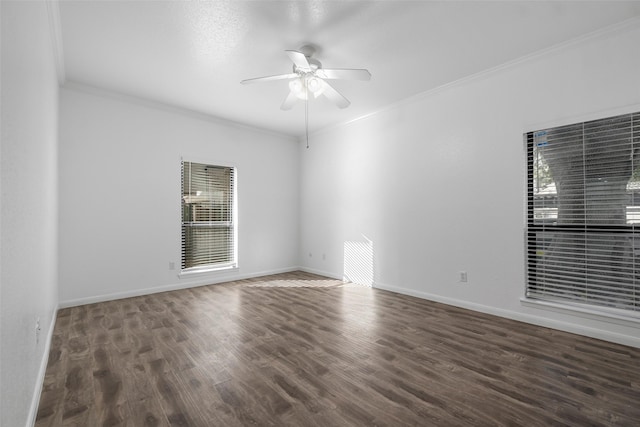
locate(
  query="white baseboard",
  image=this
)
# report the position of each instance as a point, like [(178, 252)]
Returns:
[(527, 318), (321, 273), (33, 409), (522, 317), (183, 284)]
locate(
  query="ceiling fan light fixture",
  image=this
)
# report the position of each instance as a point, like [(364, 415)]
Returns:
[(303, 85), (297, 86), (315, 86)]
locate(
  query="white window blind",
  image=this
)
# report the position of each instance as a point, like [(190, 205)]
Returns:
[(584, 214), (208, 228)]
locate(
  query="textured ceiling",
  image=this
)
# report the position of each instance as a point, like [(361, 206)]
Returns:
[(193, 54)]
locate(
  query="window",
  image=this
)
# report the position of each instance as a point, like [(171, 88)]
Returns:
[(583, 214), (208, 225)]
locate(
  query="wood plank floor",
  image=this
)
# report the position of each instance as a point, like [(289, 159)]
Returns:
[(301, 350)]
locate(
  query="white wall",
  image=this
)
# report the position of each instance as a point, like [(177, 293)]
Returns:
[(28, 219), (120, 195), (437, 183)]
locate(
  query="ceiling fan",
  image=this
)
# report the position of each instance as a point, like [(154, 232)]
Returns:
[(309, 78)]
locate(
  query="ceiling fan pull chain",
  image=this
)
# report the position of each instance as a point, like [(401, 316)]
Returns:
[(306, 114)]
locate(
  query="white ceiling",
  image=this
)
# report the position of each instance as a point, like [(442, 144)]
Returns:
[(193, 54)]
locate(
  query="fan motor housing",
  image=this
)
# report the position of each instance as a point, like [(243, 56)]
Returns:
[(313, 63)]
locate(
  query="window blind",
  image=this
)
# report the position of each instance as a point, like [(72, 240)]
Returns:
[(583, 214), (208, 229)]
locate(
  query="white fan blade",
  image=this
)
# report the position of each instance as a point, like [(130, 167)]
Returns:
[(299, 59), (334, 96), (344, 74), (269, 78), (289, 101)]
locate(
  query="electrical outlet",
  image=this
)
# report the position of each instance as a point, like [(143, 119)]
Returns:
[(462, 277), (172, 265), (38, 329), (324, 257)]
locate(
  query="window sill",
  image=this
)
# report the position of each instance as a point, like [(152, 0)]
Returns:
[(619, 317), (196, 272)]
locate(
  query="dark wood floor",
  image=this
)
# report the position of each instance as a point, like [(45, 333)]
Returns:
[(302, 350)]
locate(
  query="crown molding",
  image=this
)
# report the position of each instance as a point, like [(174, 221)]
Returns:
[(170, 108), (53, 9), (608, 31)]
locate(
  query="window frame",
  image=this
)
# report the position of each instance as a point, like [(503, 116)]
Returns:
[(533, 227), (214, 267)]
